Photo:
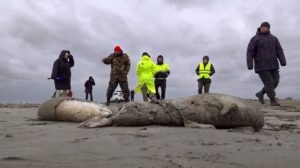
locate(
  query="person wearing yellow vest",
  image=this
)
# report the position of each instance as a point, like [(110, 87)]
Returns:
[(204, 71), (162, 71), (145, 72)]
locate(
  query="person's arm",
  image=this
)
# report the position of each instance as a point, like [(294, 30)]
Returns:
[(85, 84), (127, 64), (251, 50), (138, 69), (54, 73), (212, 70), (71, 61), (107, 60), (197, 70), (153, 69), (168, 70), (280, 53)]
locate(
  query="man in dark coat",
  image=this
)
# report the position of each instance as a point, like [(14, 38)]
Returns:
[(61, 73), (264, 50), (204, 72), (89, 88), (120, 66)]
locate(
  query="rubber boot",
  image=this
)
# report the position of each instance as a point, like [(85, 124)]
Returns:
[(260, 97), (274, 102), (107, 102), (152, 98)]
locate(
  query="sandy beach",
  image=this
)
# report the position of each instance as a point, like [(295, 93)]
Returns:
[(28, 142)]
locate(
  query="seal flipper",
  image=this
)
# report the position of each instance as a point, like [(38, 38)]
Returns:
[(192, 124), (96, 122), (228, 108)]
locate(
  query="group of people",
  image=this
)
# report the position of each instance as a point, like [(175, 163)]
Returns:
[(151, 76), (263, 53)]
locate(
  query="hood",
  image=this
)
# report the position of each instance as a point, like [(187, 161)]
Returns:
[(146, 57), (62, 54), (91, 78), (160, 56)]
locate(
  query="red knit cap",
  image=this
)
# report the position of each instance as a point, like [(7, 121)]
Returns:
[(118, 49)]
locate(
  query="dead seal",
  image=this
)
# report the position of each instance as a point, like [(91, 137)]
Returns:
[(200, 111), (70, 109)]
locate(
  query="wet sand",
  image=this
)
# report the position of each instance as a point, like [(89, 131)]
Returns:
[(27, 142)]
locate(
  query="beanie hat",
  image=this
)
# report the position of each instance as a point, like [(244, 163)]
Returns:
[(265, 24), (206, 57), (117, 49)]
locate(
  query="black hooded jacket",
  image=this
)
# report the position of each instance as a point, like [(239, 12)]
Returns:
[(89, 85), (61, 72), (265, 50)]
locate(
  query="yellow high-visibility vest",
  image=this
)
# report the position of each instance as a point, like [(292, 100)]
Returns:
[(204, 72), (162, 68)]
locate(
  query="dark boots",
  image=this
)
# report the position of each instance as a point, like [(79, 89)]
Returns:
[(107, 102), (260, 97), (274, 102)]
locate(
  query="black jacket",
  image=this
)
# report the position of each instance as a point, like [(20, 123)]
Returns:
[(89, 85), (265, 50), (61, 72), (212, 70)]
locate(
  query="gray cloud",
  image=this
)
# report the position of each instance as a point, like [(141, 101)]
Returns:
[(34, 32)]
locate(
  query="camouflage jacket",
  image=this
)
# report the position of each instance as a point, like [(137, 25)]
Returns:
[(120, 66)]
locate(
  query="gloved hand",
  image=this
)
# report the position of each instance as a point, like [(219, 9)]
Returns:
[(167, 74)]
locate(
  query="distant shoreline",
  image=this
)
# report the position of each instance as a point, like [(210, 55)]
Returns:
[(19, 105)]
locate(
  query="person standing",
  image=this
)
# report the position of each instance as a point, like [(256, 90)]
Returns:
[(132, 93), (145, 73), (61, 74), (89, 88), (264, 51), (204, 71), (120, 66), (162, 71)]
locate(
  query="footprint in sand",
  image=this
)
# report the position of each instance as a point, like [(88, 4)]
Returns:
[(13, 158), (78, 140)]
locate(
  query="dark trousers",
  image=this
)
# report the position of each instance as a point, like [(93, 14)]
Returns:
[(163, 85), (87, 94), (270, 80), (203, 83), (112, 87)]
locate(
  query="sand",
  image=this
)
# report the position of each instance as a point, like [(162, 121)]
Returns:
[(27, 142)]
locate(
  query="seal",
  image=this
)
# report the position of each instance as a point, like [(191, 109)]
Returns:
[(200, 111)]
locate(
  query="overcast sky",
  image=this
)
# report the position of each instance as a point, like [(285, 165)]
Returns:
[(32, 34)]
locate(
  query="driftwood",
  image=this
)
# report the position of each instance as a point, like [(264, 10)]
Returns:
[(204, 111)]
